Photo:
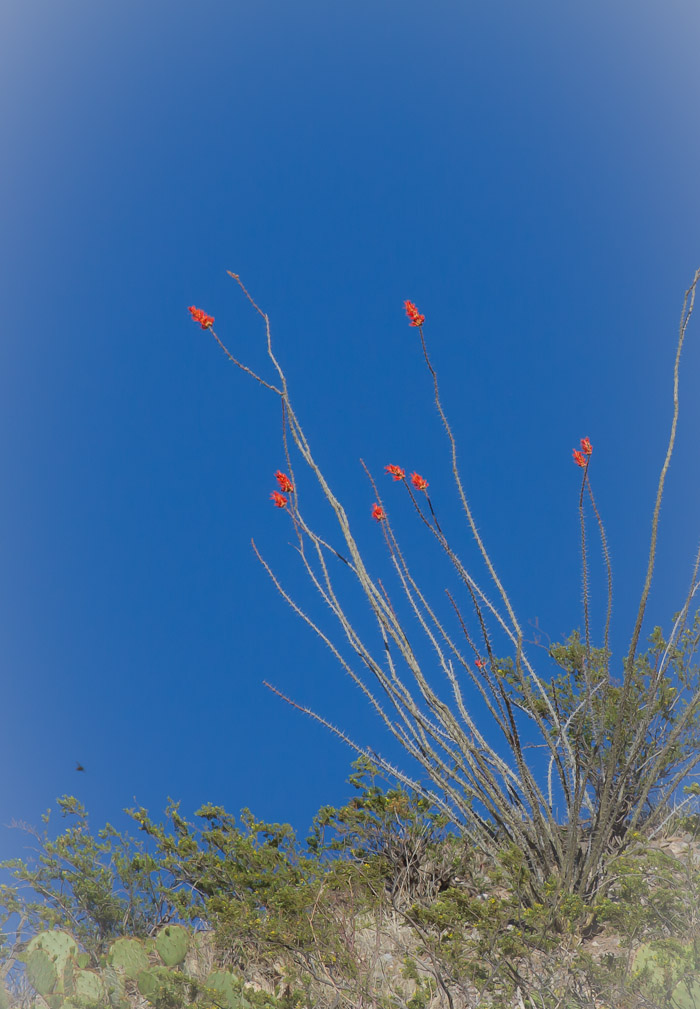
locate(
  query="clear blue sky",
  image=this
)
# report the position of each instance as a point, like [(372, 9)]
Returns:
[(526, 173)]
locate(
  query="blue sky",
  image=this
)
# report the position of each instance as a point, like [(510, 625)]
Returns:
[(527, 174)]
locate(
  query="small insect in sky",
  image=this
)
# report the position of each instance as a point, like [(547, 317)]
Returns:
[(79, 767)]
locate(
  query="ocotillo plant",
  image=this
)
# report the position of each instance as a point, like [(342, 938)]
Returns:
[(617, 753)]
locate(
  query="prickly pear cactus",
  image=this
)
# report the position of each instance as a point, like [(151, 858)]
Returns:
[(151, 983), (226, 990), (171, 944), (114, 986), (129, 956), (164, 987), (85, 988), (58, 972), (41, 971), (59, 946)]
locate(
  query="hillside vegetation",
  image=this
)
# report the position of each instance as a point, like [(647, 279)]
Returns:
[(492, 878), (381, 906)]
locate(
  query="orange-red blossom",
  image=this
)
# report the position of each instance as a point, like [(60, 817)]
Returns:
[(280, 500), (396, 472), (205, 321), (284, 482), (419, 482), (414, 315), (378, 513), (581, 458)]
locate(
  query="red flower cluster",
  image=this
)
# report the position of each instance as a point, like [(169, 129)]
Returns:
[(378, 513), (205, 321), (419, 482), (286, 485), (479, 663), (396, 472), (581, 458), (414, 315), (284, 482)]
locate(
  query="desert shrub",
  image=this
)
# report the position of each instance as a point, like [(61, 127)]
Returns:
[(100, 886), (313, 923)]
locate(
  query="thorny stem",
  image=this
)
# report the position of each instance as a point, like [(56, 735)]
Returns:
[(361, 573), (534, 797), (686, 313), (584, 566), (463, 498), (608, 568), (586, 482), (242, 366), (607, 809), (475, 532), (530, 711)]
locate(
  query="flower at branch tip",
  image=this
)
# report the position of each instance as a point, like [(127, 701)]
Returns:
[(580, 459), (284, 482), (205, 321), (378, 513), (279, 499), (480, 663), (396, 472), (419, 482), (586, 446), (414, 315)]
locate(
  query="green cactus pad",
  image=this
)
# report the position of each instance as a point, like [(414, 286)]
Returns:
[(88, 987), (151, 983), (114, 982), (226, 990), (171, 944), (60, 947), (129, 956), (115, 1001), (41, 971)]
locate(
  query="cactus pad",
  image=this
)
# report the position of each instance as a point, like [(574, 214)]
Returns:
[(226, 990), (59, 946), (88, 987), (171, 944), (128, 955), (156, 983), (41, 971)]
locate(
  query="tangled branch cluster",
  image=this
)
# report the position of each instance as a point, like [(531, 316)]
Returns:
[(610, 749)]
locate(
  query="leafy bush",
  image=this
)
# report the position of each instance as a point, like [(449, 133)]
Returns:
[(346, 916)]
